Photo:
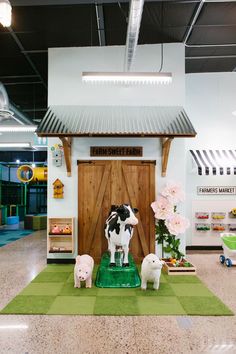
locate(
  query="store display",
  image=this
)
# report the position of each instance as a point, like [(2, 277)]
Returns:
[(60, 235), (232, 213), (83, 271), (218, 216), (202, 227), (232, 227), (151, 271), (200, 215), (218, 227)]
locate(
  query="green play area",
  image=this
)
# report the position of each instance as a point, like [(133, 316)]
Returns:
[(52, 292)]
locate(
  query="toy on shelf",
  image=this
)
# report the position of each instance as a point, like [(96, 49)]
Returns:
[(218, 227), (232, 227), (218, 216), (202, 227), (56, 229), (67, 230), (229, 247), (232, 213), (83, 270), (199, 215), (60, 235), (151, 271)]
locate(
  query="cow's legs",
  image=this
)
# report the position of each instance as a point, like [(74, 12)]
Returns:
[(126, 253), (112, 247)]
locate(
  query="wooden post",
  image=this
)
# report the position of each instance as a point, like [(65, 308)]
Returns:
[(166, 142), (66, 142)]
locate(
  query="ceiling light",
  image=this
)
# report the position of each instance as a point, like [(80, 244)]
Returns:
[(17, 128), (33, 165), (5, 13), (15, 145), (234, 113), (128, 77), (17, 161)]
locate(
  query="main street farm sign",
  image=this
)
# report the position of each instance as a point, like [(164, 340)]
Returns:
[(216, 190)]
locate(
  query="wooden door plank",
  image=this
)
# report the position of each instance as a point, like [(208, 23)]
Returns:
[(151, 214), (134, 203), (98, 205)]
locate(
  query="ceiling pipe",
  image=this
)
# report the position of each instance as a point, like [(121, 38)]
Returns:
[(5, 112), (19, 116), (135, 16)]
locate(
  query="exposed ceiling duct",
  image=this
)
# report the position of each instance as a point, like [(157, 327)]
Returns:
[(5, 112), (135, 16), (9, 111)]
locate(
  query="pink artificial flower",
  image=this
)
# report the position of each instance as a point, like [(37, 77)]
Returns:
[(177, 224), (173, 192), (162, 208)]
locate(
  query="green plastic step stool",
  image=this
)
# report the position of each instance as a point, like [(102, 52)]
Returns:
[(118, 276)]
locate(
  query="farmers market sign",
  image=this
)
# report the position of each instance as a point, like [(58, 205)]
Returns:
[(217, 190)]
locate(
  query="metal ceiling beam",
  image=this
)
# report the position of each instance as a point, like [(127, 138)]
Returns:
[(211, 57), (101, 25), (22, 83), (17, 77), (22, 49), (194, 20), (78, 2), (210, 45)]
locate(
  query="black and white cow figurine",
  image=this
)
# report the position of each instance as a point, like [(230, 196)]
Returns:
[(119, 230)]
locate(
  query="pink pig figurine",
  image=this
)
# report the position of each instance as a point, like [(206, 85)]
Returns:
[(83, 270)]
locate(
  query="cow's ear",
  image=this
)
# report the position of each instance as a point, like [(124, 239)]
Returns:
[(114, 207), (135, 210), (120, 209)]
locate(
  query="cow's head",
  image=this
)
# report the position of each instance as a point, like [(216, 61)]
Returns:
[(126, 214)]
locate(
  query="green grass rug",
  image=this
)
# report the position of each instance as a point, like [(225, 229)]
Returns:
[(52, 292)]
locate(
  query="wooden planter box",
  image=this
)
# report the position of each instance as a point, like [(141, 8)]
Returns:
[(170, 269)]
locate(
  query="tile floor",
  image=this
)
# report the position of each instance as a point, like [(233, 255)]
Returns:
[(22, 260)]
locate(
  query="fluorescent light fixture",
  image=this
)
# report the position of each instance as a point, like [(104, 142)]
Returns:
[(128, 77), (15, 145), (33, 165), (5, 13), (15, 326), (234, 113), (17, 161), (17, 128)]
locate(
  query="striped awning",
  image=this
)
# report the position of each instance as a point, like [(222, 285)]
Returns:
[(215, 162), (116, 121)]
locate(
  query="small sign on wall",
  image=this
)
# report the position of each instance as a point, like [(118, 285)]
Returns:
[(216, 190), (135, 151)]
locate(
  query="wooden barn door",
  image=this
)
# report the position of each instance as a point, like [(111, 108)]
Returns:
[(103, 183)]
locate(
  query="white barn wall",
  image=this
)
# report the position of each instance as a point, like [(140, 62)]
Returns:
[(210, 101), (65, 88)]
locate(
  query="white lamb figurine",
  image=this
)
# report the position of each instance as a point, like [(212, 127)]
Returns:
[(151, 271)]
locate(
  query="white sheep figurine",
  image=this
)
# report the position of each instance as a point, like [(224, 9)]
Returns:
[(151, 271)]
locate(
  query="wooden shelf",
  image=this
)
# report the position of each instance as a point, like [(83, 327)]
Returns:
[(60, 240)]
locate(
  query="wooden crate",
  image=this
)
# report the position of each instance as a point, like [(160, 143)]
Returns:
[(169, 268), (60, 242)]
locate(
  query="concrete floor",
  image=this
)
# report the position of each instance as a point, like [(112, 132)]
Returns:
[(22, 260)]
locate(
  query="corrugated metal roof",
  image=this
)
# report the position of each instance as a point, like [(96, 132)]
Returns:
[(115, 121)]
